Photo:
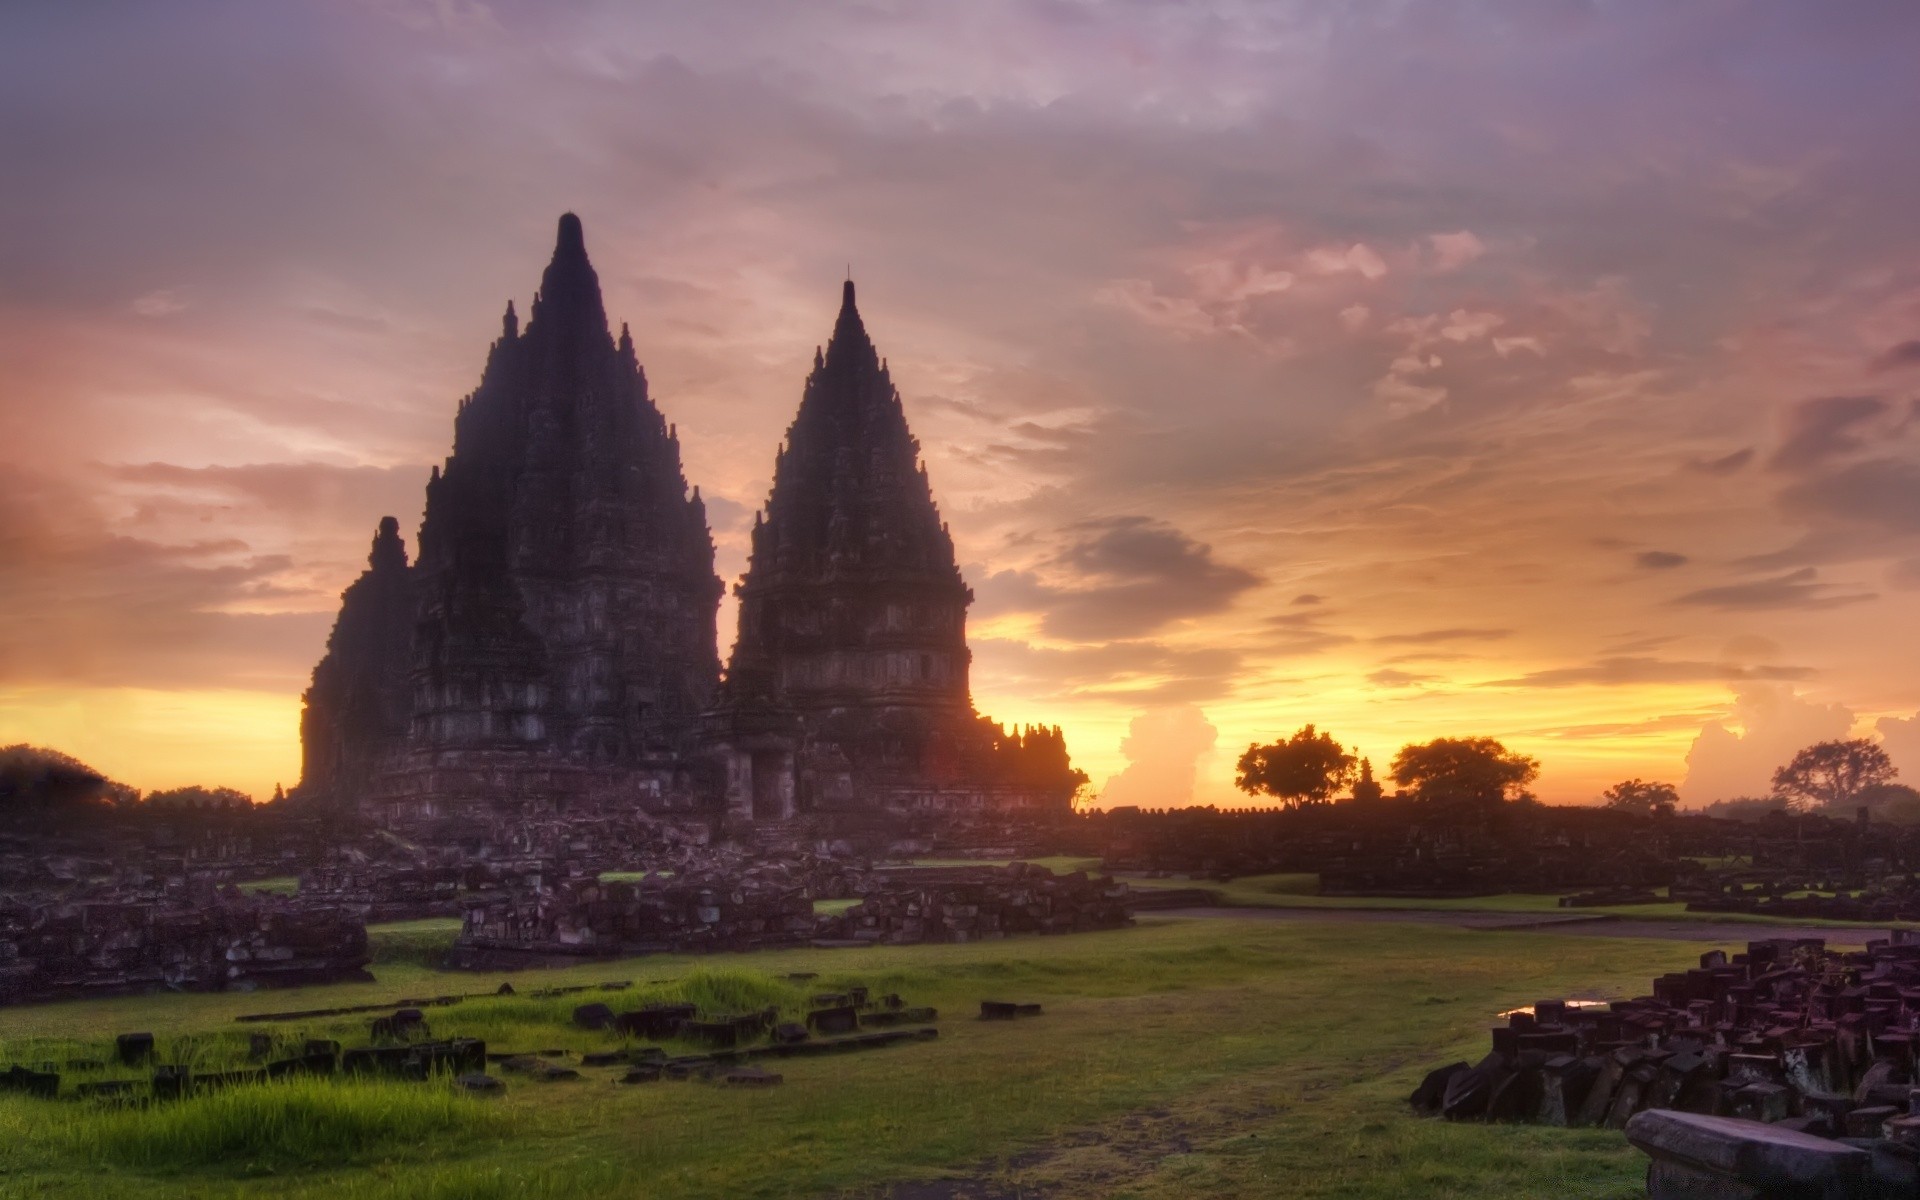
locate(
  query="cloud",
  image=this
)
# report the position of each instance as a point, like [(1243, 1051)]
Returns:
[(88, 606), (1905, 354), (1659, 560), (1132, 672), (1726, 464), (1124, 577), (1795, 589), (1394, 678), (1451, 251), (1307, 598), (1828, 427), (1900, 738), (1612, 730), (1775, 723), (1629, 670), (1359, 258), (1428, 637), (1164, 749), (1879, 494), (164, 302)]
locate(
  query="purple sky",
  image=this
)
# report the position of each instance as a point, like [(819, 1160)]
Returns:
[(1539, 370)]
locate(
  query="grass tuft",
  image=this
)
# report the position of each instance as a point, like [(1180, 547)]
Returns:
[(285, 1124)]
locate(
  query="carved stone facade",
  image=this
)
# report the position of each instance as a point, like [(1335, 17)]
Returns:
[(553, 648)]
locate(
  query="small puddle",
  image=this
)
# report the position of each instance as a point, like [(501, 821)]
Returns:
[(1527, 1009)]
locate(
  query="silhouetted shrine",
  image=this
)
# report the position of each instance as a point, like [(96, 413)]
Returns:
[(554, 644)]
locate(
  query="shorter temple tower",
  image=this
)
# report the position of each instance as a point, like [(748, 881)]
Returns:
[(848, 685)]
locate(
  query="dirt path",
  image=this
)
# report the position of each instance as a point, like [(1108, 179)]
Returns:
[(1587, 924)]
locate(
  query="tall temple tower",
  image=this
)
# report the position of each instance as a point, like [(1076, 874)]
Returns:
[(562, 639), (853, 618)]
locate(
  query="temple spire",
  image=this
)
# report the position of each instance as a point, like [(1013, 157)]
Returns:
[(389, 552), (570, 289), (850, 346)]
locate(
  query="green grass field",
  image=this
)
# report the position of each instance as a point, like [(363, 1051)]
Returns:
[(1181, 1058)]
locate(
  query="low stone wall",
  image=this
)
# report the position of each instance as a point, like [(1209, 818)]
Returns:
[(981, 903), (586, 919), (382, 891), (1898, 901), (55, 951)]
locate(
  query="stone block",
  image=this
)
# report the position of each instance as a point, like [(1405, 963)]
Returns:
[(1697, 1155)]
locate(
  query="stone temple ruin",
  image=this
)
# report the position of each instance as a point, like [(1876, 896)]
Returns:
[(552, 650)]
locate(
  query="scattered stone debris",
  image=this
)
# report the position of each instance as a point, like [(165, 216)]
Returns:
[(402, 1047), (1789, 1036)]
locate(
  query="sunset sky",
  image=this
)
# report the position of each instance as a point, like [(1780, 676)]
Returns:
[(1547, 371)]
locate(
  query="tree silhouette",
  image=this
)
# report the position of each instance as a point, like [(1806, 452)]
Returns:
[(1307, 768), (1642, 797), (1464, 772), (1833, 774)]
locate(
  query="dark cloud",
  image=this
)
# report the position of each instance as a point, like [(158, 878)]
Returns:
[(1795, 589), (1905, 354), (1727, 464), (1659, 560), (1627, 670), (1881, 494), (1128, 576), (1307, 598), (1825, 428), (1429, 637)]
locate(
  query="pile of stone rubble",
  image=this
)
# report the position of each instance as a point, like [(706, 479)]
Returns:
[(1789, 1037)]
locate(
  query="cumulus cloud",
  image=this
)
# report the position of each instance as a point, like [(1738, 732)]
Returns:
[(1900, 738), (1164, 749), (1124, 577), (1773, 724)]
